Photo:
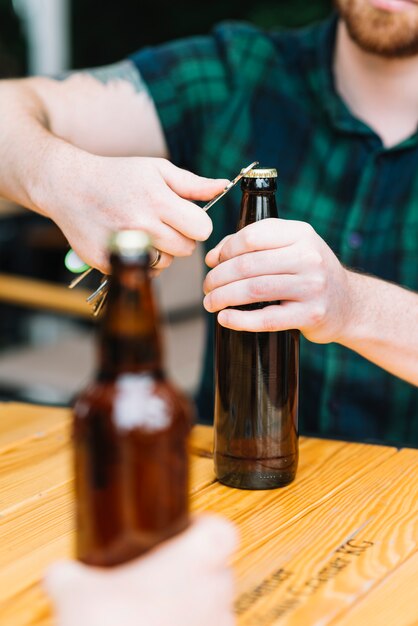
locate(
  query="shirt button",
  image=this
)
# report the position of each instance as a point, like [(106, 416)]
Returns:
[(355, 240)]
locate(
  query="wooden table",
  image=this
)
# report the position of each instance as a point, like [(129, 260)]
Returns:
[(339, 546)]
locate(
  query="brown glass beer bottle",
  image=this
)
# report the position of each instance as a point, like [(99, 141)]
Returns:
[(256, 381), (130, 426)]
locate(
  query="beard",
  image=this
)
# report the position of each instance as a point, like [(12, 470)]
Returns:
[(391, 35)]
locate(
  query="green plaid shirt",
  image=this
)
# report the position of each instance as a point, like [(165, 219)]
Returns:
[(241, 94)]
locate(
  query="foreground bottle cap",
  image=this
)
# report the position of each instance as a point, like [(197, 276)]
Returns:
[(130, 242), (262, 172)]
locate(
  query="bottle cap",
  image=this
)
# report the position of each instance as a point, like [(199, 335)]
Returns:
[(130, 242), (262, 172)]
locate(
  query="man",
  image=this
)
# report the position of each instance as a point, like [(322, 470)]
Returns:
[(335, 107)]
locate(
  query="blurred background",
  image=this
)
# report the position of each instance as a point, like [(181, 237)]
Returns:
[(46, 334)]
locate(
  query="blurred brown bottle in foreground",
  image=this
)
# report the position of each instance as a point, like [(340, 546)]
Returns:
[(131, 426), (256, 381)]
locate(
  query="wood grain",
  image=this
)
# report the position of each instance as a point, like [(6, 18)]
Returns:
[(20, 421), (39, 294), (378, 516), (388, 601), (339, 546)]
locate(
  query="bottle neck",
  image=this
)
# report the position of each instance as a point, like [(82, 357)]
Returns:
[(258, 200), (129, 336)]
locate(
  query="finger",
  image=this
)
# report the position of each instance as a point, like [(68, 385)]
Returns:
[(61, 577), (168, 240), (286, 316), (251, 290), (186, 217), (189, 185), (93, 253), (210, 539), (263, 235), (159, 259), (208, 542), (214, 593), (212, 257), (164, 262), (261, 263)]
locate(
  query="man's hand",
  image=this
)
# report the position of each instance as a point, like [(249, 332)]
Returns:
[(88, 196), (89, 156), (185, 582), (284, 260)]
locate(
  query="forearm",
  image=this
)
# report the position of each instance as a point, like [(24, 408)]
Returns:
[(383, 325), (60, 147), (25, 143), (44, 120)]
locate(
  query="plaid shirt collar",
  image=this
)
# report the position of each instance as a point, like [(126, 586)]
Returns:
[(322, 81)]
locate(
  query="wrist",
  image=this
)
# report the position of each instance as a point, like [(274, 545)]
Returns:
[(354, 328), (54, 177), (42, 181)]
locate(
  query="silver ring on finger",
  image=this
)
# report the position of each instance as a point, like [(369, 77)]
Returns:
[(156, 259)]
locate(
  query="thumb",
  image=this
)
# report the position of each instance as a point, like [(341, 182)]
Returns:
[(209, 542), (206, 544), (189, 185), (212, 257), (63, 577)]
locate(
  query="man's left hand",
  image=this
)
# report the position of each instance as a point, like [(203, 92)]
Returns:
[(279, 260)]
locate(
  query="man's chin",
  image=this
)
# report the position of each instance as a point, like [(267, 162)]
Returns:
[(384, 47), (390, 34)]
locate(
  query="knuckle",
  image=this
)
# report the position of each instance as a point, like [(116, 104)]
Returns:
[(161, 162), (249, 238), (271, 222), (244, 265), (314, 259), (258, 288), (269, 322), (189, 247), (317, 315), (223, 254), (306, 229), (317, 283)]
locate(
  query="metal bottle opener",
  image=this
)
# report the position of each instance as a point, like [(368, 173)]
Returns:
[(74, 264)]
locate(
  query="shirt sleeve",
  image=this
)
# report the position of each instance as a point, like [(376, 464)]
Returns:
[(190, 80)]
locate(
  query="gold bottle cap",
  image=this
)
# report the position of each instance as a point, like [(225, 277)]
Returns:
[(262, 172), (130, 242)]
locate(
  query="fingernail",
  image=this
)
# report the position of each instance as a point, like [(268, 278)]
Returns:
[(222, 317)]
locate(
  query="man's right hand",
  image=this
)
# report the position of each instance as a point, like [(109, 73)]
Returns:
[(89, 196)]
